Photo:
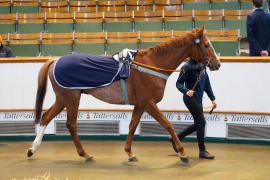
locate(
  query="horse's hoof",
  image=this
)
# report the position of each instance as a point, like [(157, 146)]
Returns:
[(184, 160), (90, 159), (133, 159), (29, 153)]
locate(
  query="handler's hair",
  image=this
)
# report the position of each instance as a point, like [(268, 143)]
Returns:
[(257, 3)]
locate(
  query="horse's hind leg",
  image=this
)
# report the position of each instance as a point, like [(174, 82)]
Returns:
[(72, 113), (153, 110), (54, 110), (136, 115)]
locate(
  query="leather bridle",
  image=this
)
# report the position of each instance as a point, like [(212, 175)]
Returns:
[(206, 61)]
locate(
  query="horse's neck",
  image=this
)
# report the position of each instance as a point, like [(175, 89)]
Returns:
[(170, 58)]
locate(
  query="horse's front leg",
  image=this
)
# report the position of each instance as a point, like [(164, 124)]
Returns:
[(136, 115), (154, 111)]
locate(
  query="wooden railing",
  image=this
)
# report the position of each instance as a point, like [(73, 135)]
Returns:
[(227, 59)]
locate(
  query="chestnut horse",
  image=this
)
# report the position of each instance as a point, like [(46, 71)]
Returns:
[(144, 90)]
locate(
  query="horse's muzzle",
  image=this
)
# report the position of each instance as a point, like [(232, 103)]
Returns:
[(214, 67)]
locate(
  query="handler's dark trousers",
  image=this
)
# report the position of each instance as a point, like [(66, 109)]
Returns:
[(196, 111)]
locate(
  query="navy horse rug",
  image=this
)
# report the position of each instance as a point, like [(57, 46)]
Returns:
[(85, 71)]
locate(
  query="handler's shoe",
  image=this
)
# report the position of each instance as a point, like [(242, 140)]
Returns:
[(206, 155)]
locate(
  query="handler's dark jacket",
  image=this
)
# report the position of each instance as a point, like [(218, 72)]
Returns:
[(187, 79), (5, 52), (258, 32)]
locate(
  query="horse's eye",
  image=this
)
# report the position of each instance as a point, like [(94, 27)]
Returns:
[(206, 45)]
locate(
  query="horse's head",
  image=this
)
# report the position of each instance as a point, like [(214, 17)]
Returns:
[(203, 51)]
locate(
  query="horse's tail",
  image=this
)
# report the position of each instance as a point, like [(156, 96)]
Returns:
[(42, 87)]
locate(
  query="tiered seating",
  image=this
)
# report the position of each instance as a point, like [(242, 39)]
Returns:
[(90, 43), (115, 24), (148, 21), (196, 4), (123, 21), (247, 4), (178, 20), (83, 6), (24, 44), (118, 21), (236, 20), (30, 23), (150, 38), (5, 6), (227, 4), (57, 44), (89, 22), (24, 6), (59, 22), (7, 23), (34, 6), (54, 6), (168, 5), (117, 41), (111, 6), (226, 43), (210, 19), (140, 5)]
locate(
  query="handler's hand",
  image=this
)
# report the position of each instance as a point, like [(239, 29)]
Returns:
[(264, 53), (214, 104), (190, 93)]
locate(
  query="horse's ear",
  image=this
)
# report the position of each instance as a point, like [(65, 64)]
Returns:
[(201, 31), (203, 28)]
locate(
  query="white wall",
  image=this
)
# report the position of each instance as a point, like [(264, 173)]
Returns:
[(237, 86)]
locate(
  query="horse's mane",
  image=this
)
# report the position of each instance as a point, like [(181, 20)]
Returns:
[(172, 43)]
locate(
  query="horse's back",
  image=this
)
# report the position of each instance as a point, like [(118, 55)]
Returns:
[(85, 71), (76, 57)]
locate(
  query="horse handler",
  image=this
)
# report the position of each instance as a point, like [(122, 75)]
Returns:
[(192, 96)]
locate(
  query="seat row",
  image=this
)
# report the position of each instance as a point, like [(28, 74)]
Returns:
[(226, 42), (34, 6), (124, 21)]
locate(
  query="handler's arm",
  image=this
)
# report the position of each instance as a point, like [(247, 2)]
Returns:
[(208, 88), (180, 83)]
